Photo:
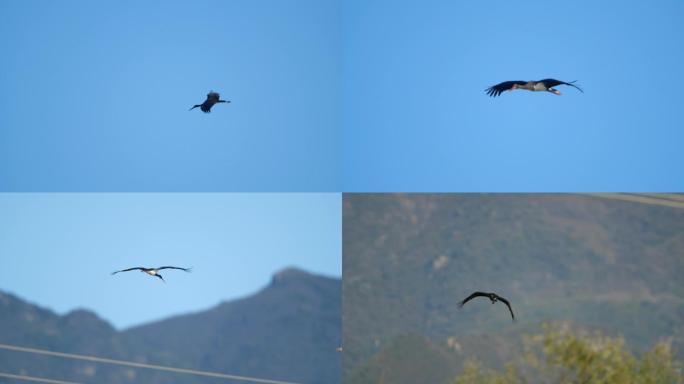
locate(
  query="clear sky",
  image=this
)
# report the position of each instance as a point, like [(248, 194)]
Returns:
[(332, 95), (417, 117), (58, 250), (94, 95)]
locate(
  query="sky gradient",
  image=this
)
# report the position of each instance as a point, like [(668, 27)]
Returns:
[(417, 117), (95, 96), (368, 96), (58, 250)]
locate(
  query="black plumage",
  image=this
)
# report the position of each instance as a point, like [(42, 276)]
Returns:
[(532, 85), (152, 271), (496, 90), (491, 296), (212, 98)]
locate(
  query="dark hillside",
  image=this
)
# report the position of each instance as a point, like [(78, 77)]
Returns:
[(600, 263)]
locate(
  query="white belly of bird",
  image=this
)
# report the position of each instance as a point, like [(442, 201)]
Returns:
[(151, 273)]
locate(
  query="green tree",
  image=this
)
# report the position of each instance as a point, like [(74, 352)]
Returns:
[(560, 355), (475, 373)]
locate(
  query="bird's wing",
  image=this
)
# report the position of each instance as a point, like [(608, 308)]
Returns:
[(170, 267), (553, 82), (508, 305), (496, 90), (472, 296), (213, 96), (129, 269)]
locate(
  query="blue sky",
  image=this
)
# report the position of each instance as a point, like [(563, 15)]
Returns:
[(417, 118), (95, 95), (332, 95), (58, 249)]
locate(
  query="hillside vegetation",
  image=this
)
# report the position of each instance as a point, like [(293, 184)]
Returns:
[(602, 264)]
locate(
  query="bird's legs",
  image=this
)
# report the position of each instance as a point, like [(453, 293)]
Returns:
[(555, 91)]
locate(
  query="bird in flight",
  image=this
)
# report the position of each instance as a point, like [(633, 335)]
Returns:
[(152, 271), (532, 85), (491, 296), (212, 98)]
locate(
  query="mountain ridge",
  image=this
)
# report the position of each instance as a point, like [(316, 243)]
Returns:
[(286, 331)]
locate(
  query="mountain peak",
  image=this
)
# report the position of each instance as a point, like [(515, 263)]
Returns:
[(86, 319), (289, 274), (82, 314)]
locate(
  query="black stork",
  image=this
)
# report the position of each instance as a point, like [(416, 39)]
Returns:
[(532, 85), (491, 296), (212, 98), (152, 271)]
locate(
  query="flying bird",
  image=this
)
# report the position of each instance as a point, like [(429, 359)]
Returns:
[(532, 85), (212, 98), (152, 271), (491, 296)]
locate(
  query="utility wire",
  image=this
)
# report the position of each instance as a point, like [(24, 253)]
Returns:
[(34, 379), (669, 200), (141, 365)]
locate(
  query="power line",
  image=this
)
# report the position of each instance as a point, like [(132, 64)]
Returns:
[(668, 200), (142, 365), (34, 379)]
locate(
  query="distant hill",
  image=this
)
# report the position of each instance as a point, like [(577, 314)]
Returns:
[(611, 264), (287, 331)]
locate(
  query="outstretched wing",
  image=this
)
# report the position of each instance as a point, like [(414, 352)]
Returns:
[(213, 96), (170, 267), (549, 83), (129, 269), (474, 295), (501, 299), (496, 90)]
